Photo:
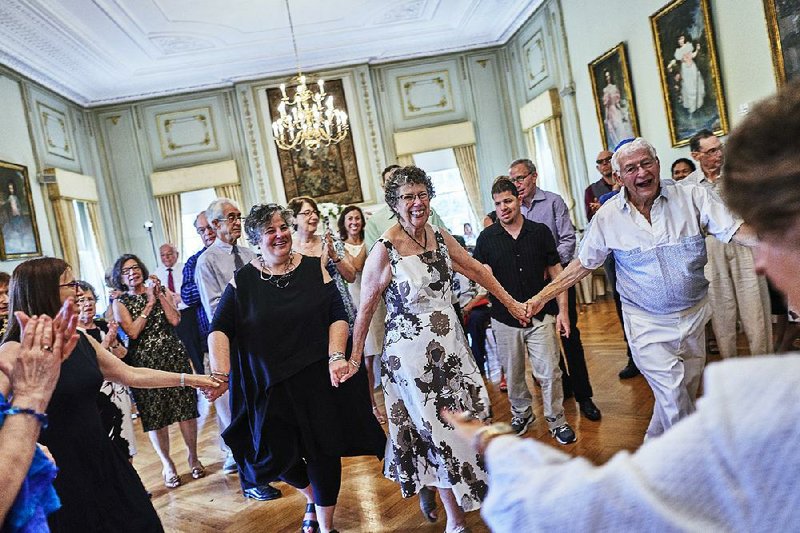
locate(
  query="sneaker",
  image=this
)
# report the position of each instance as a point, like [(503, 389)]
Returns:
[(564, 434), (521, 424), (230, 466)]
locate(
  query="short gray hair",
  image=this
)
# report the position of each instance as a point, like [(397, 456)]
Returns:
[(260, 215), (627, 149), (410, 175), (527, 162), (215, 208)]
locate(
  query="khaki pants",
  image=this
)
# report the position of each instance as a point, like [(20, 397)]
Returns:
[(538, 341), (735, 290)]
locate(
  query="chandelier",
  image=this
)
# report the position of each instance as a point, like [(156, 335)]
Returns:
[(308, 118)]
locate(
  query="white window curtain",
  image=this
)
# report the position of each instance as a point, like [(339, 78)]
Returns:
[(67, 228), (546, 148), (232, 191), (169, 205), (467, 161), (97, 229)]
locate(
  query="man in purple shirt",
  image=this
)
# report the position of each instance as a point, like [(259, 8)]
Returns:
[(549, 209)]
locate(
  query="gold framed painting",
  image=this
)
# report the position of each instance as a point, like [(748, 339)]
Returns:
[(687, 61), (783, 23), (327, 174), (19, 235), (613, 97)]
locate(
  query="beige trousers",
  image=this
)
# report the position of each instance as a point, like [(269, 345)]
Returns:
[(735, 290)]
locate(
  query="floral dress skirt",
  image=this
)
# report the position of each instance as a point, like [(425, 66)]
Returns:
[(427, 366)]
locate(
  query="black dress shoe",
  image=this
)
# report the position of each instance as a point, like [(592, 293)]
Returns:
[(630, 370), (262, 493), (590, 410)]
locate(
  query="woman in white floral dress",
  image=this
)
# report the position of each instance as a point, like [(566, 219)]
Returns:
[(426, 365)]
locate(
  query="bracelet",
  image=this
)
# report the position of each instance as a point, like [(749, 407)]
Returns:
[(223, 374), (485, 434), (183, 379), (355, 363), (336, 356), (8, 409)]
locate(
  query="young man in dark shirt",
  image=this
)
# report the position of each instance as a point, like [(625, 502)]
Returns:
[(519, 252)]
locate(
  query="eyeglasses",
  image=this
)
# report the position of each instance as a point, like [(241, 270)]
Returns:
[(411, 197), (604, 161), (232, 217), (646, 164), (309, 212), (72, 284), (130, 270), (713, 151), (520, 179), (203, 229)]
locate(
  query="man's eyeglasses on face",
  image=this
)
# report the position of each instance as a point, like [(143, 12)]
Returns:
[(203, 229), (713, 151), (520, 179), (603, 161), (130, 270), (411, 197), (308, 212), (630, 170), (231, 218)]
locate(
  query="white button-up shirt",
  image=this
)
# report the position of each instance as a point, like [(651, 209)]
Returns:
[(659, 263)]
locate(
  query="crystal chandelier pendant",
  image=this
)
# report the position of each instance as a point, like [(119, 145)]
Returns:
[(309, 117)]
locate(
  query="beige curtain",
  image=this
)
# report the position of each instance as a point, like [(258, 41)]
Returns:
[(467, 161), (232, 191), (170, 207), (99, 237), (555, 139), (67, 227), (530, 141), (405, 160)]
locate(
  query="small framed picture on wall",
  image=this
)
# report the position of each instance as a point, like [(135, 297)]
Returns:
[(613, 97), (690, 77), (19, 235)]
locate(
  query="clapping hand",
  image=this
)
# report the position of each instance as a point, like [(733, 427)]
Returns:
[(329, 247)]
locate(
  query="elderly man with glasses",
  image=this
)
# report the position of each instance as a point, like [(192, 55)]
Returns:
[(656, 232), (215, 268), (734, 290)]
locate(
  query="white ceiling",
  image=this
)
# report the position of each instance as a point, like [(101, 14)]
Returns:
[(98, 52)]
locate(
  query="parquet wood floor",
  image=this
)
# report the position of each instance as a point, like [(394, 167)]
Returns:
[(370, 503)]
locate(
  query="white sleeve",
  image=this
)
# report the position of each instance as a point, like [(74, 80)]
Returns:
[(715, 217), (593, 249)]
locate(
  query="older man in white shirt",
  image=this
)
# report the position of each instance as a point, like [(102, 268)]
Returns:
[(656, 232)]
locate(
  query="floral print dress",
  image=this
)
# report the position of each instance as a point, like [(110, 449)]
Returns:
[(427, 366)]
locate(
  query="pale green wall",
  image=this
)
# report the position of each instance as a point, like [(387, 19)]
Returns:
[(594, 27)]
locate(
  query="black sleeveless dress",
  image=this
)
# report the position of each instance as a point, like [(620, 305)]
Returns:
[(283, 406), (98, 487)]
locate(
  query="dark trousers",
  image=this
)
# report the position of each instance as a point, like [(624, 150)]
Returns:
[(324, 474), (576, 378), (189, 333), (610, 266), (477, 321)]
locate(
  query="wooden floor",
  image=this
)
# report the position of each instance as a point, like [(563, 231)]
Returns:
[(371, 503)]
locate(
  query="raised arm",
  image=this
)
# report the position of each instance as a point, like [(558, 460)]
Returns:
[(340, 258), (167, 300), (377, 276), (133, 326), (464, 263)]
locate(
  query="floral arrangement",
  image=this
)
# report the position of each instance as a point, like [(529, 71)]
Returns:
[(329, 213)]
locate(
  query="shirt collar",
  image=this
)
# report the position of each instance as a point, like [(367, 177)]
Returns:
[(219, 243), (624, 203)]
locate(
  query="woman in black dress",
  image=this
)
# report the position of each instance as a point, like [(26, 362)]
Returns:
[(290, 326), (148, 315), (98, 487)]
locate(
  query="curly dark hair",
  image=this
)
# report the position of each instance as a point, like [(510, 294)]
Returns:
[(343, 229), (260, 215), (409, 175), (504, 184), (116, 271)]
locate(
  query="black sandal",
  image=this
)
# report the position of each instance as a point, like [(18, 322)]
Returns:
[(310, 526), (427, 504)]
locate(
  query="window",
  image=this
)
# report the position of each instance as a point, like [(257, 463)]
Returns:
[(91, 267), (545, 167), (192, 203), (451, 202)]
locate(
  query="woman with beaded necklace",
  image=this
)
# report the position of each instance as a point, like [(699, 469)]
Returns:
[(290, 326)]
